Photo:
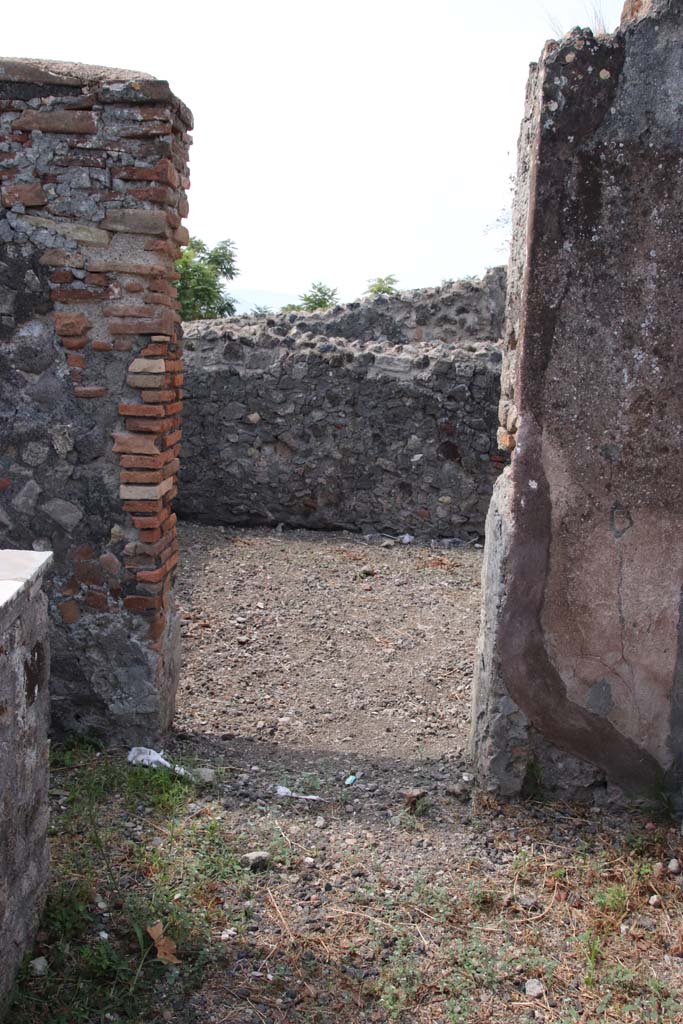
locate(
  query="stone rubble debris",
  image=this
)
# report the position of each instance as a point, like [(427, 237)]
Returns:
[(256, 860)]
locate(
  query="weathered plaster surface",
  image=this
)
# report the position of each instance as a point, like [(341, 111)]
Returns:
[(24, 712), (581, 625)]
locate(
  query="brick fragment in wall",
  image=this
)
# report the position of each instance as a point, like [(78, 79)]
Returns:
[(378, 415), (110, 296), (26, 194), (69, 122)]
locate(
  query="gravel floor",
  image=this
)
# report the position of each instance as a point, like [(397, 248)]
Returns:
[(341, 669), (328, 641)]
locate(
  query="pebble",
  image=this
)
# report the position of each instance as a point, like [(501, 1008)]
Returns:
[(655, 901), (39, 966), (256, 860), (459, 790), (207, 775), (674, 866), (534, 988), (320, 822), (527, 901)]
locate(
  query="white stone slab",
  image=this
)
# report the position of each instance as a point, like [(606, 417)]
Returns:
[(22, 565), (18, 569), (8, 588)]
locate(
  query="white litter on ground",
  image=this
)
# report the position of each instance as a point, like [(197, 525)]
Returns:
[(285, 791), (149, 758)]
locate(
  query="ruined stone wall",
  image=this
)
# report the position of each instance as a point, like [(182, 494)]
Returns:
[(579, 675), (24, 713), (93, 167), (379, 415)]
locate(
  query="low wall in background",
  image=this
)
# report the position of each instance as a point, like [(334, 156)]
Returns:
[(380, 415)]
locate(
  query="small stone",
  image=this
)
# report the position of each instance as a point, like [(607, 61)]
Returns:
[(110, 563), (65, 513), (256, 860), (25, 500), (459, 790), (309, 862), (674, 866), (207, 775), (227, 934), (367, 570), (320, 822), (35, 453), (527, 901), (412, 796), (39, 966), (534, 988), (254, 418), (655, 901)]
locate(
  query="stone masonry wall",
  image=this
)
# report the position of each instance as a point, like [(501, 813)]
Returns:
[(379, 415), (93, 168), (24, 714), (579, 675)]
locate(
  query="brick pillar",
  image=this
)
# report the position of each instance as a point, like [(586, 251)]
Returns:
[(93, 172)]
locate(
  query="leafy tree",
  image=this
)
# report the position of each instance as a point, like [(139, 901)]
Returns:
[(319, 297), (382, 285), (260, 311), (201, 291)]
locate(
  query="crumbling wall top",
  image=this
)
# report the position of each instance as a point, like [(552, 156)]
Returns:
[(109, 85), (58, 72)]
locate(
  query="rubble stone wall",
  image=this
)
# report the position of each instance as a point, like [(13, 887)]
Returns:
[(379, 415), (579, 675), (93, 171), (24, 714)]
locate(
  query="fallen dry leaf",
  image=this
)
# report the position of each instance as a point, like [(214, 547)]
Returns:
[(165, 947)]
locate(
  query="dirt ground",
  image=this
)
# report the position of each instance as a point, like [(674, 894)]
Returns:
[(328, 642), (314, 659), (332, 668)]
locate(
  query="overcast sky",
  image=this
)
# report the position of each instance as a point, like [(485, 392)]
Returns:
[(334, 141)]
